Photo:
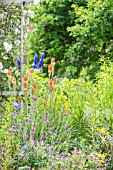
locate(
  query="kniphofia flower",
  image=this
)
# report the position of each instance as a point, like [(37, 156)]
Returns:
[(50, 68), (31, 71), (9, 73), (34, 85), (53, 61), (32, 91), (25, 78), (55, 80), (14, 81), (44, 103), (25, 86)]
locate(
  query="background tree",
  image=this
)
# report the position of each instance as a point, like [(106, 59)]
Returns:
[(75, 32)]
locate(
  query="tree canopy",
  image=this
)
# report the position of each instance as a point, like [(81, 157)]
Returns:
[(77, 33)]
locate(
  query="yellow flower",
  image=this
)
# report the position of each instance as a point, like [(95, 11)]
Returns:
[(102, 156), (66, 104), (101, 130), (107, 133)]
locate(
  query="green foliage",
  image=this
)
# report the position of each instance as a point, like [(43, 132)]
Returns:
[(76, 33)]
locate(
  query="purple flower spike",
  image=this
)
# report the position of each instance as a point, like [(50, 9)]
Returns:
[(34, 99), (70, 113), (10, 131), (62, 156), (27, 137), (53, 129), (27, 119), (17, 105), (28, 168), (32, 134), (44, 133), (18, 113), (47, 123), (30, 120), (13, 115), (56, 153), (72, 129), (66, 127), (26, 129)]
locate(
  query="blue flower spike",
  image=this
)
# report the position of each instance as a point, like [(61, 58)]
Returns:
[(41, 60), (19, 64), (35, 61)]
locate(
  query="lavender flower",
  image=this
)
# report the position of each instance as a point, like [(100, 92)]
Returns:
[(53, 129), (32, 134), (66, 127), (27, 137), (44, 133), (72, 129), (17, 105), (10, 131), (13, 115), (62, 156), (34, 99)]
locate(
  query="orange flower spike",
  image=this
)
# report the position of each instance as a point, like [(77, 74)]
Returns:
[(50, 83), (34, 85), (52, 88), (32, 91), (31, 71), (14, 81), (50, 68), (53, 61), (9, 73), (45, 103), (55, 80), (25, 85), (25, 78)]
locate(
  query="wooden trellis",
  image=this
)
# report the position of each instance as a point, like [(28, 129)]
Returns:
[(22, 3)]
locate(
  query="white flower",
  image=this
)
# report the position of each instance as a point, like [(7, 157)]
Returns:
[(30, 14), (5, 70), (5, 57), (17, 42), (17, 31), (1, 66), (8, 47)]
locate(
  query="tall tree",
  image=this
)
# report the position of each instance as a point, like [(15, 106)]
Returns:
[(76, 32)]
